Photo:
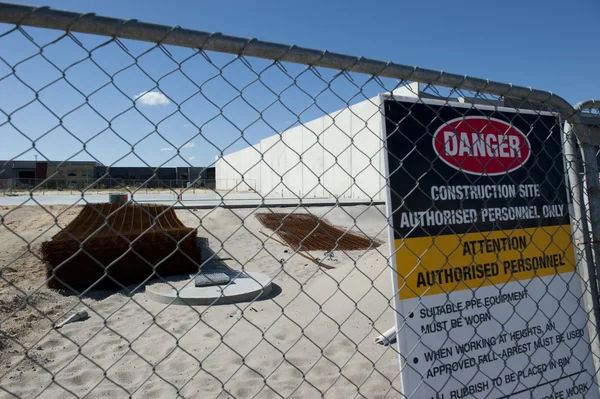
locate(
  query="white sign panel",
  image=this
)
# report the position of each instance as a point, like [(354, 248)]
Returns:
[(489, 301)]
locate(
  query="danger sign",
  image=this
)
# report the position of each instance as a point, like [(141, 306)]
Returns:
[(488, 301), (481, 146)]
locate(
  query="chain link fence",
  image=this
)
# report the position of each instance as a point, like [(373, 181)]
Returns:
[(261, 301)]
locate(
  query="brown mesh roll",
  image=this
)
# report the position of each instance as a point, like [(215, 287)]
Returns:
[(307, 232), (111, 237)]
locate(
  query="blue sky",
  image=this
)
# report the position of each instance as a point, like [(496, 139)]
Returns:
[(548, 45)]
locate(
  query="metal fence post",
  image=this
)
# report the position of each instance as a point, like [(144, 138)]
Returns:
[(591, 171), (582, 234)]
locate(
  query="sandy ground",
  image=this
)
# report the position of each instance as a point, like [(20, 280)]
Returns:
[(314, 337)]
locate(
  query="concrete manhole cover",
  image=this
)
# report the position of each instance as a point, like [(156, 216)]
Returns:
[(243, 287)]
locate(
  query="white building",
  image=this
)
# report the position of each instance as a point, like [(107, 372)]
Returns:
[(337, 155)]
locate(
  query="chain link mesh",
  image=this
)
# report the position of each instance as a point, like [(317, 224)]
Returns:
[(72, 97)]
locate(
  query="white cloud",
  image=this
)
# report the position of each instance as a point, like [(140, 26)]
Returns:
[(188, 145), (152, 98), (192, 158)]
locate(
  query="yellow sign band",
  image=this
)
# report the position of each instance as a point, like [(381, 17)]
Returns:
[(435, 265)]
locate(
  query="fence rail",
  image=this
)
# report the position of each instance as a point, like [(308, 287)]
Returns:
[(489, 284)]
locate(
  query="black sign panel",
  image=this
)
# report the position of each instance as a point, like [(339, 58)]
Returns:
[(458, 170)]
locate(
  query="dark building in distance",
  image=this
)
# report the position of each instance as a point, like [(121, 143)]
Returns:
[(81, 174)]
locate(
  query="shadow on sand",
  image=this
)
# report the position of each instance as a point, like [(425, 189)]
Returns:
[(210, 262)]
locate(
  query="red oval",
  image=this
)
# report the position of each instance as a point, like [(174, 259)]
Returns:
[(481, 146)]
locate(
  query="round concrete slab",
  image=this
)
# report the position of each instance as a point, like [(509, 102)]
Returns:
[(247, 287)]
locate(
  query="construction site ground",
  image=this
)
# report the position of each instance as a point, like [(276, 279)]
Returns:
[(317, 314)]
